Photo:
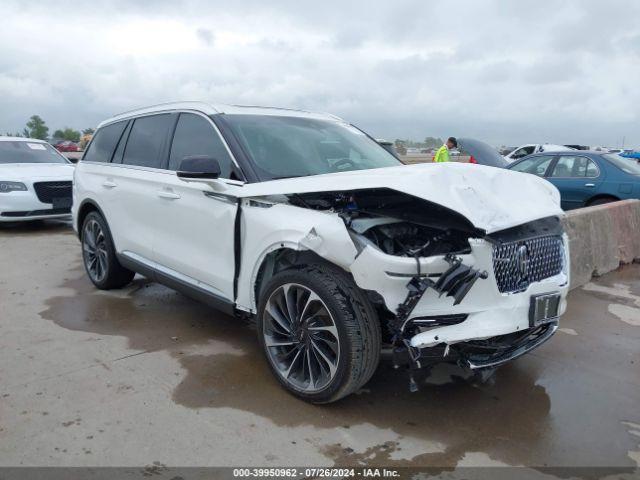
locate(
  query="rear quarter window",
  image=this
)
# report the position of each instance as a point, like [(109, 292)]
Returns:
[(104, 143)]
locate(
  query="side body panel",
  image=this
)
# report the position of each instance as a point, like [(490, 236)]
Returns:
[(196, 233), (298, 229)]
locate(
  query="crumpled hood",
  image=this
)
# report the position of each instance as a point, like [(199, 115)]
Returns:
[(22, 172), (492, 199)]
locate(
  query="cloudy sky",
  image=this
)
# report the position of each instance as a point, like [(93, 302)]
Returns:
[(508, 72)]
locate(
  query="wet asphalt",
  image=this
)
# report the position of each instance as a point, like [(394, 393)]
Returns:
[(145, 374)]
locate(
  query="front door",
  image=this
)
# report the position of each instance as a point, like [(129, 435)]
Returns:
[(196, 245)]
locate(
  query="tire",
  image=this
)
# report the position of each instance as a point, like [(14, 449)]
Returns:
[(99, 255), (339, 313), (602, 201)]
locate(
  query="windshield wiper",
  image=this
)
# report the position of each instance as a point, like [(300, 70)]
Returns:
[(291, 176)]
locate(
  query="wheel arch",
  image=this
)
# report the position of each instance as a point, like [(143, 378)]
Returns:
[(86, 207), (600, 196), (280, 257)]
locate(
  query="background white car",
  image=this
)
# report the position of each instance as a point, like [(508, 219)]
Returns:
[(529, 149), (35, 180)]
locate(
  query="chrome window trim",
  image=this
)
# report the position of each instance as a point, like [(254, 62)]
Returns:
[(228, 181), (167, 171)]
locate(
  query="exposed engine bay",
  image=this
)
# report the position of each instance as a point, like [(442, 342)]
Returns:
[(394, 222), (396, 225)]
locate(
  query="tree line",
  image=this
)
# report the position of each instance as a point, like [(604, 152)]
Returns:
[(36, 127)]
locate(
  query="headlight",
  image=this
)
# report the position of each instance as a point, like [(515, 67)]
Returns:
[(6, 187)]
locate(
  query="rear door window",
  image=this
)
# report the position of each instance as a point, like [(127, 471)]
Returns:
[(146, 142), (104, 143), (195, 135), (571, 166)]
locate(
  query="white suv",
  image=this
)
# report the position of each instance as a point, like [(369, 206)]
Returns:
[(304, 223)]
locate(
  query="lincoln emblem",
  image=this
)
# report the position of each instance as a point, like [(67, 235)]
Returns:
[(522, 260)]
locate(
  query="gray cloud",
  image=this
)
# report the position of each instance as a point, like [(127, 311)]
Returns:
[(205, 35), (507, 72)]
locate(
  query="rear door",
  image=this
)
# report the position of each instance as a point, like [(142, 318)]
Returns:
[(196, 245), (136, 175), (94, 174), (577, 177)]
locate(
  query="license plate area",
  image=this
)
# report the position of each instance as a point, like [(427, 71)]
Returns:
[(543, 308), (62, 202)]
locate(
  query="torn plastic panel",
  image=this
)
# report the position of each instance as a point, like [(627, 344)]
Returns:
[(455, 282)]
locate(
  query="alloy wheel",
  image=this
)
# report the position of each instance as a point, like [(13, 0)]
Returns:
[(94, 250), (301, 337)]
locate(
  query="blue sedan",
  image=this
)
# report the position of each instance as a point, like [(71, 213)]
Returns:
[(585, 178)]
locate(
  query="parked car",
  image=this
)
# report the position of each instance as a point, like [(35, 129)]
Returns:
[(35, 181), (333, 246), (67, 146), (505, 150), (585, 178), (630, 154), (481, 153), (532, 148)]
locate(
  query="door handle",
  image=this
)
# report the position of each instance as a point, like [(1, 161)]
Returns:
[(589, 184), (169, 195), (109, 184)]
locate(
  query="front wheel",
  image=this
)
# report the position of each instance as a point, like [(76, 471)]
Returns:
[(319, 332)]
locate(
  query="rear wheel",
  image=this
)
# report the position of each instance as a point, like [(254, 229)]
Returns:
[(602, 201), (319, 333), (99, 256)]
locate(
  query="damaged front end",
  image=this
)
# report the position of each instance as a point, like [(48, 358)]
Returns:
[(448, 290), (445, 289)]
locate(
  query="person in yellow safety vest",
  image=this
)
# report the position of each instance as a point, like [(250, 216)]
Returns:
[(442, 155)]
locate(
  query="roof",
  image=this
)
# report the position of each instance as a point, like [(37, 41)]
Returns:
[(20, 139), (217, 108), (567, 152)]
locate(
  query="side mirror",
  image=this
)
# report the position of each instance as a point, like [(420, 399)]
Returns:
[(199, 166)]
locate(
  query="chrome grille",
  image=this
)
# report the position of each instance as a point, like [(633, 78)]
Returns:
[(518, 264)]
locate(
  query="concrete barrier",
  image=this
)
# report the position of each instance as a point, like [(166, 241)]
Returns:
[(601, 238)]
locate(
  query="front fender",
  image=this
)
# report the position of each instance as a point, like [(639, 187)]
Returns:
[(322, 232)]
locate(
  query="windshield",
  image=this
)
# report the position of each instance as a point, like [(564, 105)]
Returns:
[(628, 165), (283, 147), (29, 152)]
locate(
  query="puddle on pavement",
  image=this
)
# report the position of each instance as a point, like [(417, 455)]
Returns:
[(625, 291), (509, 420)]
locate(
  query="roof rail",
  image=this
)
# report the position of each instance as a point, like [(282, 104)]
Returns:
[(166, 104)]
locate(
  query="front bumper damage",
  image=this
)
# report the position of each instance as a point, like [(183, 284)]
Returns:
[(453, 309)]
